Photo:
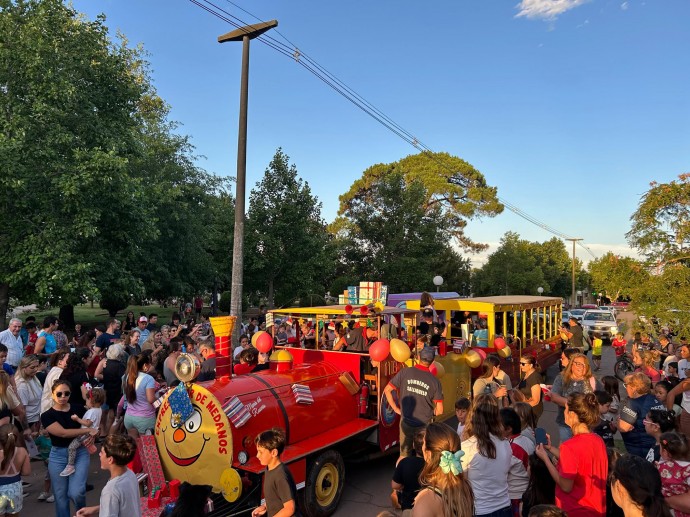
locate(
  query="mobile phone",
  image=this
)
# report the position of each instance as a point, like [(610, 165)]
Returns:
[(540, 435)]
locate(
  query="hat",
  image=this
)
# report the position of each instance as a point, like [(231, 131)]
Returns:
[(331, 326), (428, 313), (427, 354), (144, 319)]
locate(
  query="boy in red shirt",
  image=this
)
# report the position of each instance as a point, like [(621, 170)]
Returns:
[(619, 344)]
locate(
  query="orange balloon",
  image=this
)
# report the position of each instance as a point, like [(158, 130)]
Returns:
[(379, 350), (264, 343)]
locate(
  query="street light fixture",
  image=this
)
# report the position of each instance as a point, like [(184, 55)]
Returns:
[(540, 290), (243, 34), (438, 282)]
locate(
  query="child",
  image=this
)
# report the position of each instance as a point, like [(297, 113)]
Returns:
[(462, 408), (92, 419), (597, 345), (541, 488), (279, 487), (406, 476), (524, 411), (120, 495), (661, 390), (674, 466), (672, 373), (249, 359), (605, 428), (618, 345), (32, 336), (15, 463), (612, 388), (612, 509), (521, 447), (282, 335)]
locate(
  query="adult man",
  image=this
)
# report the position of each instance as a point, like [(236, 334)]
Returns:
[(355, 337), (45, 342), (420, 395), (575, 337), (153, 322), (144, 332), (12, 340), (103, 341), (207, 349)]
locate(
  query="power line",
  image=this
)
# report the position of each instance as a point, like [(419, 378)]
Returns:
[(309, 64)]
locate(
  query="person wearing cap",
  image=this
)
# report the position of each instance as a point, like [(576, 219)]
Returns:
[(328, 336), (144, 332), (421, 398)]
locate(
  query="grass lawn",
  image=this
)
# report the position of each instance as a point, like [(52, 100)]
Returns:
[(92, 316)]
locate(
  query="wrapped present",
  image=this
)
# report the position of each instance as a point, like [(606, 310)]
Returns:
[(366, 292), (342, 300), (383, 297), (155, 499), (377, 291), (237, 413), (352, 294), (150, 461), (174, 489), (302, 394), (154, 512)]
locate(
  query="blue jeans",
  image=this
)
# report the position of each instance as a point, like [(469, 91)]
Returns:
[(70, 487), (564, 432)]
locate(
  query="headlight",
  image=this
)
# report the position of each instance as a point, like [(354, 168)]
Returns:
[(614, 330), (187, 367), (242, 457)]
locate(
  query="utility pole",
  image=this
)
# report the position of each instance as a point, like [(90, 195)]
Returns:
[(573, 300)]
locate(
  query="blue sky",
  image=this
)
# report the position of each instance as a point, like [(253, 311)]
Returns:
[(569, 107)]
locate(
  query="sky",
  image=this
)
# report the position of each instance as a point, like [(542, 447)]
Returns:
[(569, 107)]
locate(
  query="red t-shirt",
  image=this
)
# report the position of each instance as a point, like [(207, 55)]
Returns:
[(619, 346), (584, 460)]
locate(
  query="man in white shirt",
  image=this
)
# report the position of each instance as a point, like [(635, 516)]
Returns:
[(13, 341), (683, 362)]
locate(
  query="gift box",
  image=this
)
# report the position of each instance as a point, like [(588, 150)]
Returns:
[(352, 294), (377, 291), (302, 394), (236, 412), (174, 489), (366, 292), (150, 462), (154, 500), (342, 300), (383, 297)]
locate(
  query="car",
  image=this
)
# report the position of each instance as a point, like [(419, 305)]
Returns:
[(623, 306), (577, 314), (602, 322), (566, 317), (589, 306), (609, 308)]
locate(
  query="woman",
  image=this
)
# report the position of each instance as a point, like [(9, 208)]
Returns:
[(11, 409), (631, 420), (582, 460), (58, 362), (656, 423), (60, 336), (480, 337), (62, 429), (576, 378), (445, 490), (487, 458), (644, 361), (132, 342), (165, 335), (130, 322), (530, 386), (488, 382), (153, 342), (110, 372), (29, 390), (140, 393), (636, 488), (75, 373)]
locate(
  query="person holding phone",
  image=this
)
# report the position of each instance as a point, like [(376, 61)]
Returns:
[(582, 461), (489, 384), (530, 386)]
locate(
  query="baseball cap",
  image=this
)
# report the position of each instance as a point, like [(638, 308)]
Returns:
[(428, 313), (331, 326), (143, 318), (427, 354)]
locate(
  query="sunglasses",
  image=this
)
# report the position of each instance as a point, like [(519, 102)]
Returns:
[(63, 394)]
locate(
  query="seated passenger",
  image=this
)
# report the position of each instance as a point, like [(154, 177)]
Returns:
[(249, 358)]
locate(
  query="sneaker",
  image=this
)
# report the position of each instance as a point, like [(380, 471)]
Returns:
[(43, 496), (50, 499), (67, 471), (26, 484)]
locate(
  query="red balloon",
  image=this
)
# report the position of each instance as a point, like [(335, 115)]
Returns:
[(499, 342), (481, 353), (379, 350), (264, 343)]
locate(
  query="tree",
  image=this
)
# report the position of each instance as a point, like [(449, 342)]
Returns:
[(286, 247), (617, 276), (452, 190)]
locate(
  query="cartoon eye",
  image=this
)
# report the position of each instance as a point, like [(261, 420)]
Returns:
[(174, 422), (193, 422)]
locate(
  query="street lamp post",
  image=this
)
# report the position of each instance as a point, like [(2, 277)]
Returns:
[(243, 34), (438, 282), (579, 296)]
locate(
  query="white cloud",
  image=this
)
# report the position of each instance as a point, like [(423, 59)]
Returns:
[(546, 9), (624, 6)]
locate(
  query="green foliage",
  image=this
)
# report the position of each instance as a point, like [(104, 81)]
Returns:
[(452, 190), (617, 276), (286, 242), (114, 303), (224, 303)]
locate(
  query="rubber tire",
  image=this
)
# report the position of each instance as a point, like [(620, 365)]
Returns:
[(622, 368), (327, 460)]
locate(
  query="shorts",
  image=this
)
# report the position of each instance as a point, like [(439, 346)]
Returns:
[(15, 493), (407, 433), (140, 423), (597, 357)]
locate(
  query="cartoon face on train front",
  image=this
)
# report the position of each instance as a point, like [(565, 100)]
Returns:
[(198, 449)]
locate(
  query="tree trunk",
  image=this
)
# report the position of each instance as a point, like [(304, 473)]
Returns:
[(66, 316), (4, 304), (270, 294)]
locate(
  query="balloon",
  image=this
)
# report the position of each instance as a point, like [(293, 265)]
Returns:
[(473, 358), (399, 350), (437, 369), (256, 335), (379, 350), (505, 352), (349, 309), (481, 353), (264, 343), (499, 342)]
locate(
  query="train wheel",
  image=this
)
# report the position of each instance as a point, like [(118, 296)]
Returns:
[(324, 484)]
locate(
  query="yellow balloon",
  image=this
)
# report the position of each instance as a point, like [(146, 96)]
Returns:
[(399, 350), (505, 352), (255, 336), (440, 370), (473, 359)]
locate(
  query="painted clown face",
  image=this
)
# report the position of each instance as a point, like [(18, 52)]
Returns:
[(199, 449)]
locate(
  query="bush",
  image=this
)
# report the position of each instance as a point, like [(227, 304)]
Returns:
[(224, 303), (113, 303)]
